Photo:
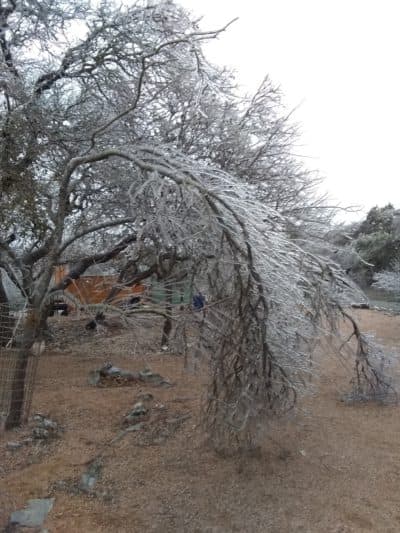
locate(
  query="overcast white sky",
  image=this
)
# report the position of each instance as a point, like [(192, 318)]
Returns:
[(338, 59)]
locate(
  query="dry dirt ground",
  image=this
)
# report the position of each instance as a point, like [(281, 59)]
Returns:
[(331, 468)]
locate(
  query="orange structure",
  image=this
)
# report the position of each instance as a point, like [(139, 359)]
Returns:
[(95, 289)]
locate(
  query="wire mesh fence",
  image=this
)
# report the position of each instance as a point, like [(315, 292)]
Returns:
[(161, 317), (18, 366)]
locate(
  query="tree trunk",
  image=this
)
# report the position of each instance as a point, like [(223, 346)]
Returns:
[(43, 327), (19, 385), (6, 321), (168, 321)]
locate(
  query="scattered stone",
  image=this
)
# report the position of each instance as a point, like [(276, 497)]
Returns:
[(94, 378), (40, 433), (147, 376), (13, 445), (139, 409), (109, 370), (87, 482), (45, 428), (109, 373), (137, 414), (165, 384), (91, 476), (46, 423), (34, 514)]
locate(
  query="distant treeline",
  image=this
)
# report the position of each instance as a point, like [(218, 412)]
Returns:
[(371, 246)]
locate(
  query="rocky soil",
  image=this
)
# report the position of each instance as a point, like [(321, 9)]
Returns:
[(129, 456)]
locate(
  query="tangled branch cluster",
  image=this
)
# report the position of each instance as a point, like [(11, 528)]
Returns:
[(269, 301)]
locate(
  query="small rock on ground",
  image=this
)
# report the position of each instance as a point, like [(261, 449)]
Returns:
[(34, 514)]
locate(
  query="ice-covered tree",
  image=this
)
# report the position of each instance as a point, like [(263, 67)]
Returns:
[(389, 280), (98, 159)]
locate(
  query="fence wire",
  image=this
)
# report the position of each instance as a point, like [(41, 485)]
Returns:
[(18, 368), (162, 317)]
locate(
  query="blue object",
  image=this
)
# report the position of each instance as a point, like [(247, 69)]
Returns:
[(198, 301)]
